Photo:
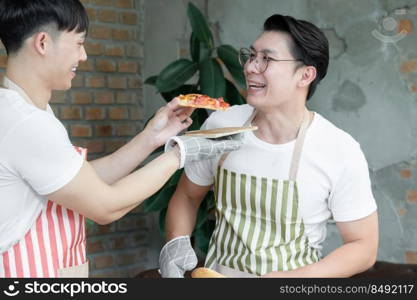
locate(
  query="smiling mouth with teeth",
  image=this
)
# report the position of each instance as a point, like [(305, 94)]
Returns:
[(257, 86)]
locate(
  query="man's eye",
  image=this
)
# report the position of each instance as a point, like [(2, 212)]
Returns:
[(266, 58), (252, 55)]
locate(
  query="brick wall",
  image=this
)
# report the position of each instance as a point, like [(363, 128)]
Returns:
[(101, 112)]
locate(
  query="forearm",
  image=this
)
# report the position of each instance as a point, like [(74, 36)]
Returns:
[(123, 161), (347, 260), (181, 216), (132, 190), (88, 195)]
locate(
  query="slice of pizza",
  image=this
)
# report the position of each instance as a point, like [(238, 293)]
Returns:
[(203, 101)]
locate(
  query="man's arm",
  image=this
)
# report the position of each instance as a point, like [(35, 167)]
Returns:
[(112, 167), (183, 207), (168, 121), (177, 255), (90, 196), (357, 254)]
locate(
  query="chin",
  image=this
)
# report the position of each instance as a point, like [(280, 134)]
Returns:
[(254, 100), (63, 87)]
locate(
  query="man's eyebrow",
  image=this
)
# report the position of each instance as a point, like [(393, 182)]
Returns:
[(266, 51)]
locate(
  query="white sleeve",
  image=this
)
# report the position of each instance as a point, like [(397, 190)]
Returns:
[(39, 151), (200, 172), (352, 198)]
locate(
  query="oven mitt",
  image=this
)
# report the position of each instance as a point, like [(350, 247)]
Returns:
[(176, 257), (196, 148)]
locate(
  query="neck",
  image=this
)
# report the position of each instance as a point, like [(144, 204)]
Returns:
[(22, 73), (279, 125)]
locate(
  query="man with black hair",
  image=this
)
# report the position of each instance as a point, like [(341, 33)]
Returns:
[(46, 187), (275, 195)]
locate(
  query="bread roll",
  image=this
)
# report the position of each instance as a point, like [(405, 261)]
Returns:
[(205, 273)]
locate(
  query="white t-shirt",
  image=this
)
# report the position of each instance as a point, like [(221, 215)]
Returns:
[(333, 177), (36, 159)]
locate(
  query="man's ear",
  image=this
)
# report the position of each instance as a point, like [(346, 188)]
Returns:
[(308, 74), (40, 41)]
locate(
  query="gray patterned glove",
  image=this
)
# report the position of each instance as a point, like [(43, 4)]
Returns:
[(176, 257), (196, 148)]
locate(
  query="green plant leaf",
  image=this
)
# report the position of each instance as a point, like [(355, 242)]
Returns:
[(151, 80), (199, 51), (173, 181), (161, 222), (160, 199), (199, 25), (194, 48), (201, 116), (233, 97), (184, 89), (175, 74), (212, 79), (203, 234), (230, 58), (198, 116)]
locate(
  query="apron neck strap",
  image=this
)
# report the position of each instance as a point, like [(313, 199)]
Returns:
[(8, 84), (296, 155)]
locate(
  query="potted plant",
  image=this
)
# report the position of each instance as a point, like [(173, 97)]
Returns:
[(217, 72)]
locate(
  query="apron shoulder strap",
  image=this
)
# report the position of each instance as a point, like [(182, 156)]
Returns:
[(296, 156), (8, 84)]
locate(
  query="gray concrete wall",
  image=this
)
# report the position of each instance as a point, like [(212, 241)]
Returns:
[(370, 90), (167, 33)]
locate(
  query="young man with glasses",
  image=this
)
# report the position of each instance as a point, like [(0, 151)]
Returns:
[(275, 195)]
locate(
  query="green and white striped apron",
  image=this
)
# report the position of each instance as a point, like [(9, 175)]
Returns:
[(258, 224)]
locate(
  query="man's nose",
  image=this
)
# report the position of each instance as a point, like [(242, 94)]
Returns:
[(83, 56), (252, 65)]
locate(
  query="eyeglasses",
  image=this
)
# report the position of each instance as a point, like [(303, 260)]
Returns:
[(248, 56)]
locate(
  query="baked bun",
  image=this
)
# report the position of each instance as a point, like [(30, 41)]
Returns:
[(205, 273)]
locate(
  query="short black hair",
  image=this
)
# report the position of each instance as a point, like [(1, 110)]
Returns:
[(310, 45), (19, 19)]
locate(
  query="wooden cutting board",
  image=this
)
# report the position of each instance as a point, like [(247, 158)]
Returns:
[(219, 132)]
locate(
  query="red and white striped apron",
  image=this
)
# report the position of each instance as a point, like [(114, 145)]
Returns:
[(55, 246)]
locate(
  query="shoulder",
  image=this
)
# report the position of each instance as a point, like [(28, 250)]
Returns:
[(13, 111), (332, 133), (11, 103), (16, 114), (235, 116), (334, 141)]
